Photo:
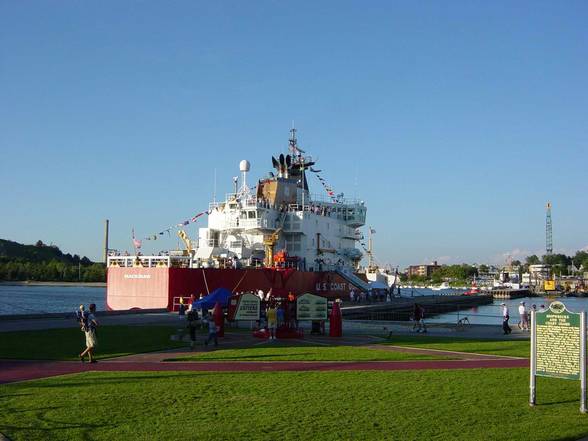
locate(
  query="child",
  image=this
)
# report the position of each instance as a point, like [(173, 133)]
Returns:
[(211, 331)]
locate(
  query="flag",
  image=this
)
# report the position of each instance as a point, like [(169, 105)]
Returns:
[(136, 242)]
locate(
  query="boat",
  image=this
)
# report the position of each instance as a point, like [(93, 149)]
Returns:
[(444, 285), (275, 237), (473, 291)]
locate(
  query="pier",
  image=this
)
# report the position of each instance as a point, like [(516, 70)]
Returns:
[(400, 309), (510, 293)]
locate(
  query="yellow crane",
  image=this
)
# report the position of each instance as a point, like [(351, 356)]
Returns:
[(269, 242), (187, 241)]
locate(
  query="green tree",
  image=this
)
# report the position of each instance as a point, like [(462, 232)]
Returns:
[(532, 260)]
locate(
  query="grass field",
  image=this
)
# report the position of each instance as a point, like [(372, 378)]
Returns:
[(512, 348), (277, 352), (401, 405), (66, 344)]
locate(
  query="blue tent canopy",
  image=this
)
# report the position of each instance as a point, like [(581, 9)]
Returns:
[(220, 295)]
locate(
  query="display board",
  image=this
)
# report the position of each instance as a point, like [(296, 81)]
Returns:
[(558, 342), (248, 307), (311, 307), (558, 347)]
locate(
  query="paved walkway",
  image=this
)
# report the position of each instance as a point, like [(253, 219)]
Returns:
[(21, 370), (356, 334), (12, 371)]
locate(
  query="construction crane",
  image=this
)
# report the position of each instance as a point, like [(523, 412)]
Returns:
[(269, 241), (187, 241), (548, 231)]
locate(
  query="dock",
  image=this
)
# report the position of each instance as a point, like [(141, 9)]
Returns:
[(510, 293), (401, 308)]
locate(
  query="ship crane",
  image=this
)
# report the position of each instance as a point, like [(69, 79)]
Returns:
[(269, 242), (187, 241)]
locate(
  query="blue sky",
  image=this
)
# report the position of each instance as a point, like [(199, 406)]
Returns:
[(454, 121)]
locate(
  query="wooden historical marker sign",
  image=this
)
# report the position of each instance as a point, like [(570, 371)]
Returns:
[(558, 347)]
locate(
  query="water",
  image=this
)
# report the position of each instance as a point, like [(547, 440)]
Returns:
[(40, 299), (491, 314)]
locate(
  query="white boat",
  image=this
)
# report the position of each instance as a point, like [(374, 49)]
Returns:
[(444, 285)]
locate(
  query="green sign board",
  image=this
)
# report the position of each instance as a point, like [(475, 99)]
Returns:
[(248, 307), (311, 307), (558, 342)]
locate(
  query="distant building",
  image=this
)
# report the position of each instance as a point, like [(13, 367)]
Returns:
[(422, 270)]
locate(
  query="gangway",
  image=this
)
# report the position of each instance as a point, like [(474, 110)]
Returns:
[(354, 280)]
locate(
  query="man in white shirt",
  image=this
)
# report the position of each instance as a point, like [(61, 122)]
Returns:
[(524, 323), (505, 318)]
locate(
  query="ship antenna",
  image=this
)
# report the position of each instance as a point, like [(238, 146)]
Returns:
[(293, 141)]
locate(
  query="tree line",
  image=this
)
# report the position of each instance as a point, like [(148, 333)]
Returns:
[(560, 264), (46, 263)]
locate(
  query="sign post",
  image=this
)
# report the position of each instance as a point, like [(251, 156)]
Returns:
[(532, 397), (583, 361), (558, 347)]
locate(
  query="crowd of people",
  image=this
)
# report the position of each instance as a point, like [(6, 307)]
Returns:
[(372, 295)]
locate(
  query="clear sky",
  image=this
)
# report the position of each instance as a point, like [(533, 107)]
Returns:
[(455, 121)]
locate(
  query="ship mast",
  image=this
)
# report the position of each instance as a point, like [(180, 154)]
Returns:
[(369, 250), (297, 153)]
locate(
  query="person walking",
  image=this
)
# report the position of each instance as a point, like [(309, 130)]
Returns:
[(505, 318), (524, 322), (192, 323), (181, 308), (89, 325), (212, 330), (422, 322)]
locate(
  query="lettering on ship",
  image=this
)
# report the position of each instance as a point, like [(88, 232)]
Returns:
[(137, 276), (332, 286)]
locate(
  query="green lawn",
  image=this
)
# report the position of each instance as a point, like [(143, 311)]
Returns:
[(488, 404), (66, 344), (512, 348), (279, 352)]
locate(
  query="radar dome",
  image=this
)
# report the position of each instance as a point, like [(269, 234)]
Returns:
[(244, 165)]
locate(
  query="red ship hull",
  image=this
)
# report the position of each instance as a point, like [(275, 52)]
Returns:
[(156, 288)]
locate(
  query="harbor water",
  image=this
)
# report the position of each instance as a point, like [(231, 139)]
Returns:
[(38, 299), (491, 314)]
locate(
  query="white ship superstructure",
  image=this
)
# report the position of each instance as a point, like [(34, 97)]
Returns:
[(281, 223)]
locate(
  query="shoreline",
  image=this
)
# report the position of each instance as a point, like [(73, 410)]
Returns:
[(39, 283)]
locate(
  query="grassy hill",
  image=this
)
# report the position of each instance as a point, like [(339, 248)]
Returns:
[(39, 252), (41, 262)]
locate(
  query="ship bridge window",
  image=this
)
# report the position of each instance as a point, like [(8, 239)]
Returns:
[(251, 214)]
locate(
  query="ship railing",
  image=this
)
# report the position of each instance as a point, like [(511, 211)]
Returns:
[(148, 261), (315, 197), (248, 224)]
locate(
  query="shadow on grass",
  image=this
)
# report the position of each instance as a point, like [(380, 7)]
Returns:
[(554, 403), (117, 378)]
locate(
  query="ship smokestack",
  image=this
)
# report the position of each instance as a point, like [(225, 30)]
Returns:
[(106, 222)]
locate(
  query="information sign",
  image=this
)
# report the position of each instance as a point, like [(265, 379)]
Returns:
[(311, 307), (558, 342), (248, 307), (558, 347)]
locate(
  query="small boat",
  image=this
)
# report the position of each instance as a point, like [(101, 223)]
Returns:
[(444, 285)]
